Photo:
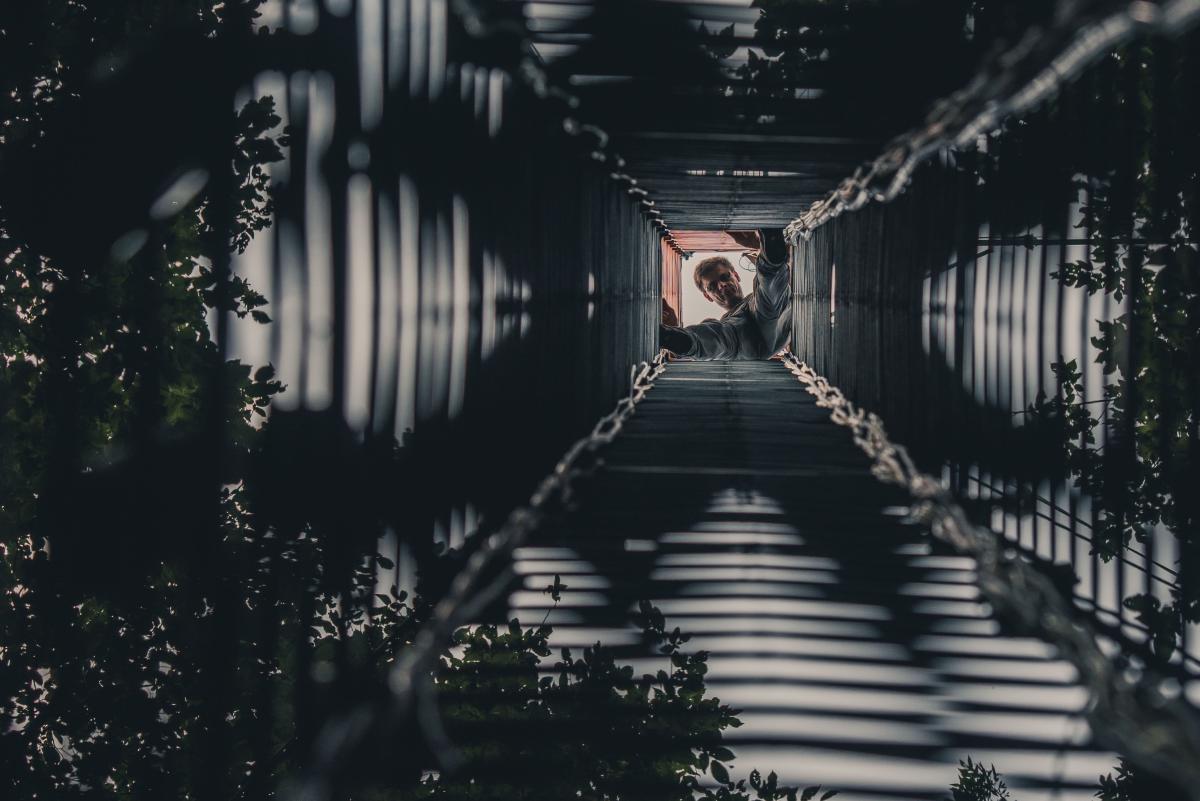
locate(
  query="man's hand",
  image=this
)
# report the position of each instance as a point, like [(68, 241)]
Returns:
[(674, 340), (769, 242), (668, 315), (747, 239)]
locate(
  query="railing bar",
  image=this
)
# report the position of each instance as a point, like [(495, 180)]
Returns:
[(1083, 537)]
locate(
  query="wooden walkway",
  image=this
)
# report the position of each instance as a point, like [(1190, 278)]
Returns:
[(857, 650)]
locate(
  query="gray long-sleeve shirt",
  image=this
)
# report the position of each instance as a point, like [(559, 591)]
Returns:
[(757, 328)]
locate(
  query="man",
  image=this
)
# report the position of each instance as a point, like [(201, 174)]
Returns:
[(753, 327)]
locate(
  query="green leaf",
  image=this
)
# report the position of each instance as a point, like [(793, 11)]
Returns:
[(722, 753)]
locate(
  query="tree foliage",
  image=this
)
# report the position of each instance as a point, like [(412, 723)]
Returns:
[(1132, 784), (588, 727), (977, 783), (174, 625), (108, 684), (1139, 216), (881, 64)]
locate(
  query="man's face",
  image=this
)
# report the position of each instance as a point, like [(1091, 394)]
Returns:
[(721, 286)]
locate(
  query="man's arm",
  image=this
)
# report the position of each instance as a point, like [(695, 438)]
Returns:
[(706, 341), (675, 339), (772, 282)]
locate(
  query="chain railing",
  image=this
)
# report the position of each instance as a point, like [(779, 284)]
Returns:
[(485, 576), (1031, 365), (1132, 711), (1014, 82), (444, 281), (458, 270)]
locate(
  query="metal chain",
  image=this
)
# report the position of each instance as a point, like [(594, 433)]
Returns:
[(1132, 711), (1081, 32), (408, 680), (535, 78)]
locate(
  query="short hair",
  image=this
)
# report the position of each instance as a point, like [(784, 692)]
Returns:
[(707, 266)]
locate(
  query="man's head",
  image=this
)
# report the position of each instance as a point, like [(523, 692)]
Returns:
[(716, 278)]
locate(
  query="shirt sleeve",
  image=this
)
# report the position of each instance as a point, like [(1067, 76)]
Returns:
[(712, 339), (772, 289)]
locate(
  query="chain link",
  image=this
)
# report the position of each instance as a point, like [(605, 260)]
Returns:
[(1081, 32), (1132, 711)]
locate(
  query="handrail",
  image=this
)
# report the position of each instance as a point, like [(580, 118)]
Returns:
[(1127, 710), (1078, 36)]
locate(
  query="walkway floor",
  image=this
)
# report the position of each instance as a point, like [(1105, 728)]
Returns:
[(857, 651)]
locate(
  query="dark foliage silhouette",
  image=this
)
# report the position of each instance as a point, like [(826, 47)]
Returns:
[(977, 783), (114, 587), (189, 581), (1135, 451), (584, 726)]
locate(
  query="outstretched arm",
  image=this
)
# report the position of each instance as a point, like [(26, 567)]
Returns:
[(706, 341), (676, 340), (773, 280), (772, 284)]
